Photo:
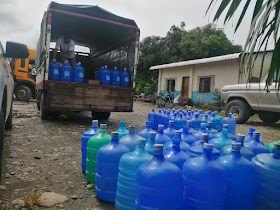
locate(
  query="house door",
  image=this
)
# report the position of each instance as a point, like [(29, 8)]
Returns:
[(185, 88)]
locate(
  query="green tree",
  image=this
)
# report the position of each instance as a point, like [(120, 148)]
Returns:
[(265, 23), (180, 45)]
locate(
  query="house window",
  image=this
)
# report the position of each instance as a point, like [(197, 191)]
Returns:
[(205, 84), (170, 85)]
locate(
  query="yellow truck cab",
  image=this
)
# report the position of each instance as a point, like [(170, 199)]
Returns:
[(25, 77)]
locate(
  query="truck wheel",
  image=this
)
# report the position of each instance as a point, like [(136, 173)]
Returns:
[(269, 117), (2, 122), (100, 115), (240, 110), (23, 93), (9, 122), (54, 115), (38, 100), (43, 112)]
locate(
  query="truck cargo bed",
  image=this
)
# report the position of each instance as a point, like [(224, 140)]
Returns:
[(64, 96)]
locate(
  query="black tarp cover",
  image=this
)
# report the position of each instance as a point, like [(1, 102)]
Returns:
[(91, 26)]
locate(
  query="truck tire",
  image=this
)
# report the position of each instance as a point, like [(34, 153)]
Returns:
[(2, 122), (45, 115), (23, 93), (9, 122), (269, 117), (240, 110), (100, 115), (38, 96)]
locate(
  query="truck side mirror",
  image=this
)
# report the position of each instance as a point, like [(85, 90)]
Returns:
[(16, 50)]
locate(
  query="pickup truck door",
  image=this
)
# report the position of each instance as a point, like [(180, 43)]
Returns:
[(269, 100)]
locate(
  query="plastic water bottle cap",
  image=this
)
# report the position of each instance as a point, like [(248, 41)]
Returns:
[(152, 134), (225, 131), (95, 123), (236, 146), (208, 146), (178, 133), (124, 69), (115, 68), (115, 134), (256, 134), (105, 66), (158, 149), (229, 115), (103, 126), (148, 123), (203, 125), (171, 122), (204, 137), (122, 123), (131, 126), (240, 138), (252, 130), (160, 127), (153, 110), (225, 126), (54, 60), (189, 122), (141, 142), (276, 145)]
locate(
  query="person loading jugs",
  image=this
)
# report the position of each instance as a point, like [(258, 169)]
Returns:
[(67, 47)]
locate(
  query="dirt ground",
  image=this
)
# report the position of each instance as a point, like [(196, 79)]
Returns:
[(50, 152)]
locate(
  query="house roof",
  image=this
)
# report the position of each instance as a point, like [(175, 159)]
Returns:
[(197, 61)]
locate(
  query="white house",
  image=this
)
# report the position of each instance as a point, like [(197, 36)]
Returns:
[(198, 79)]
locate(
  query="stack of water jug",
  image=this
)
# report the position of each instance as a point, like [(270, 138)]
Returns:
[(193, 162), (114, 77), (66, 73)]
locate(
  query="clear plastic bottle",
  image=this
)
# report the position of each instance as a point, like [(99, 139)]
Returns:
[(131, 139), (159, 183), (129, 164), (84, 138), (241, 180), (107, 169), (267, 167), (204, 181), (94, 143)]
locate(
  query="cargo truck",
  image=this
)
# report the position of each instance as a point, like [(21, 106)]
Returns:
[(112, 40)]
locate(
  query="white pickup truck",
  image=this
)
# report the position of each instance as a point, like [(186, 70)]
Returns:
[(244, 100)]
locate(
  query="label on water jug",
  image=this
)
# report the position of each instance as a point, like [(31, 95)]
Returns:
[(118, 79), (107, 77), (81, 74), (66, 73), (126, 79), (55, 71)]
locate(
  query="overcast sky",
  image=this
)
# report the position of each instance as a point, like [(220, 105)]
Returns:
[(20, 19)]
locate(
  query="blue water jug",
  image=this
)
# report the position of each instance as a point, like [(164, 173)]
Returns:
[(54, 71), (197, 149), (131, 139), (151, 117), (122, 130), (250, 137), (183, 145), (157, 119), (126, 186), (231, 136), (190, 128), (231, 123), (175, 154), (267, 168), (217, 121), (107, 169), (222, 141), (99, 73), (161, 138), (78, 73), (65, 72), (145, 132), (244, 151), (125, 78), (170, 131), (196, 122), (241, 181), (149, 146), (212, 132), (116, 78), (106, 76), (159, 184), (186, 136), (197, 134), (256, 146), (85, 137), (180, 122), (204, 181)]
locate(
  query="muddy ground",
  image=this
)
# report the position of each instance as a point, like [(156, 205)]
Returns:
[(50, 153)]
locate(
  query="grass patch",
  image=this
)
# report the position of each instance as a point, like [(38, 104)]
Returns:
[(31, 199)]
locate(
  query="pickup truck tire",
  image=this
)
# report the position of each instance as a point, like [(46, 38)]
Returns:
[(45, 115), (269, 117), (2, 122), (23, 93), (100, 115), (240, 110), (9, 122)]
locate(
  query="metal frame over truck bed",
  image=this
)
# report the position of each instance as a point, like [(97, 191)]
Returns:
[(112, 40)]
